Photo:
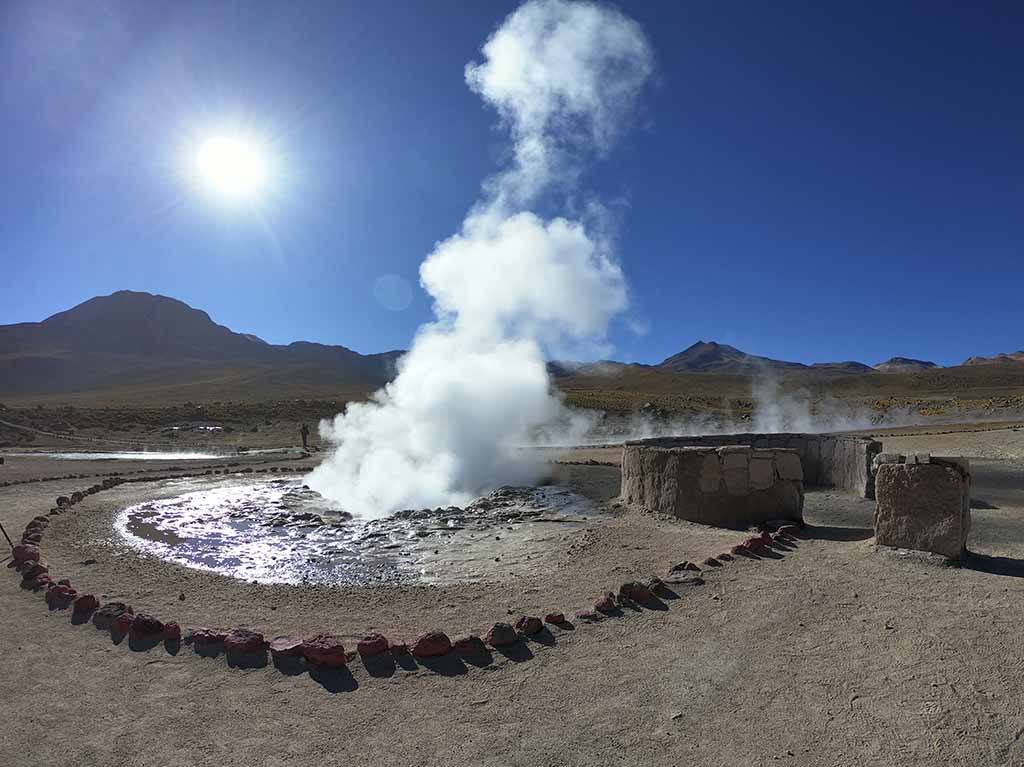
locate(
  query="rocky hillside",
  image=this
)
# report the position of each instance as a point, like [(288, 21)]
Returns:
[(127, 338), (904, 365), (712, 357), (999, 359)]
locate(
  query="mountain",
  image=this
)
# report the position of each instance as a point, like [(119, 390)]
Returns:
[(845, 368), (903, 365), (712, 357), (109, 342), (567, 368), (999, 359)]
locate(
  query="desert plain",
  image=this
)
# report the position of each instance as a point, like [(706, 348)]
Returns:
[(831, 651)]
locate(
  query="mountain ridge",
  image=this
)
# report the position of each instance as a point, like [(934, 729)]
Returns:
[(129, 333), (131, 338)]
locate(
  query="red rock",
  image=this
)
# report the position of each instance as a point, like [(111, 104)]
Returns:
[(431, 644), (244, 641), (399, 648), (501, 634), (60, 595), (172, 632), (766, 538), (606, 603), (86, 603), (324, 650), (555, 618), (372, 644), (24, 552), (791, 531), (753, 544), (104, 617), (634, 591), (529, 625), (470, 644), (712, 562), (122, 623), (738, 550), (204, 637), (725, 556), (33, 569), (286, 646)]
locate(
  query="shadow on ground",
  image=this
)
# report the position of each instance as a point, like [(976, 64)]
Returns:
[(983, 563)]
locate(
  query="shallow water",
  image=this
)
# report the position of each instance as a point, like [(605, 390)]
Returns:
[(279, 531), (138, 455)]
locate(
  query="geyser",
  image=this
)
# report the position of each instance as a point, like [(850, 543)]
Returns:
[(511, 286)]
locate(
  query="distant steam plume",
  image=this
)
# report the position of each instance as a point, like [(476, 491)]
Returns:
[(510, 286)]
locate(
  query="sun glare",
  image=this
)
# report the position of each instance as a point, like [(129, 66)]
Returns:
[(232, 167)]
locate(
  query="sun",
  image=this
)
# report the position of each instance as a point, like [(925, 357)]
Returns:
[(233, 167)]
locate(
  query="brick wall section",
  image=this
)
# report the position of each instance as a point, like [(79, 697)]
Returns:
[(728, 486), (841, 461)]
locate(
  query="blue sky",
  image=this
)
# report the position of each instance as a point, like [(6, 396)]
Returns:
[(805, 181)]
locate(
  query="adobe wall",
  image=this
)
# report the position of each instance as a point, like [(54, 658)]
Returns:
[(728, 486), (841, 461)]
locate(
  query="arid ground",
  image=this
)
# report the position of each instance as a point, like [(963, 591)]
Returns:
[(834, 653)]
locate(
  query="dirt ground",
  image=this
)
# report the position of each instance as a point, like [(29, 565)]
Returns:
[(832, 654)]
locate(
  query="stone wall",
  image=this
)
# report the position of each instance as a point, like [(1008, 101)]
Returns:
[(841, 461), (728, 486), (923, 503)]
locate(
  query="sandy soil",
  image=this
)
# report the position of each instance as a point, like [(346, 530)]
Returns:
[(833, 654)]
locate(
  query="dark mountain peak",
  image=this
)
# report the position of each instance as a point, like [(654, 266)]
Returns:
[(849, 366), (903, 365), (713, 357), (125, 303), (98, 341), (144, 324)]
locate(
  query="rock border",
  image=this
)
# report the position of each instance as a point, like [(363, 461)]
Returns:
[(247, 648)]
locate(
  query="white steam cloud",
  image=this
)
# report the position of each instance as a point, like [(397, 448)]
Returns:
[(510, 286)]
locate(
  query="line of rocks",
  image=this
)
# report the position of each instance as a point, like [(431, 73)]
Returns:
[(325, 650)]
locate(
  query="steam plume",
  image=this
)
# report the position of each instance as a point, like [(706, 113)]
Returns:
[(510, 285)]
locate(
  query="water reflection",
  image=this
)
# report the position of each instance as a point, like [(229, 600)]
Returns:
[(279, 531)]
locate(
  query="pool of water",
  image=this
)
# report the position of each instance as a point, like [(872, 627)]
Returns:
[(279, 531), (131, 455)]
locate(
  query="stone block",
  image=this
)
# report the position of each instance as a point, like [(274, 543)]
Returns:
[(888, 458), (762, 475), (787, 464), (923, 506), (710, 473), (812, 461)]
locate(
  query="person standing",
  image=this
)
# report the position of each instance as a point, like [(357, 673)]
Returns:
[(305, 437)]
